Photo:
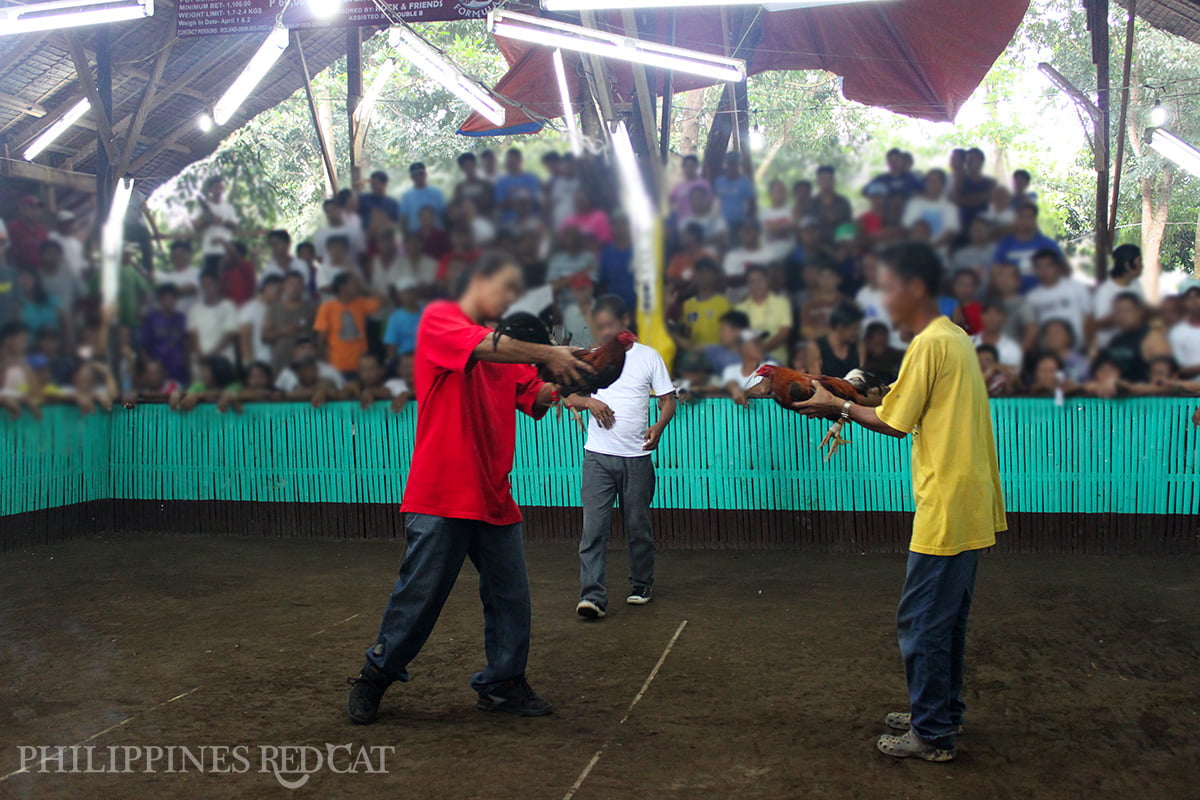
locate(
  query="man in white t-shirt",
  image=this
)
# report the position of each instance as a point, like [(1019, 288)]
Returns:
[(933, 207), (1185, 336), (72, 248), (617, 461), (306, 348), (338, 224), (251, 318), (281, 261), (1059, 296), (217, 223), (1124, 276), (212, 322), (1008, 350)]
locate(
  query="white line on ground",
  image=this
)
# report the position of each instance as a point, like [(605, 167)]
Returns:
[(646, 685), (98, 734), (334, 625)]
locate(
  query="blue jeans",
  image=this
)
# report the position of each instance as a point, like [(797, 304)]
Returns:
[(931, 625), (437, 547)]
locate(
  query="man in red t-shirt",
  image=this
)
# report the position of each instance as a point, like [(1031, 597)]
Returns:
[(458, 500)]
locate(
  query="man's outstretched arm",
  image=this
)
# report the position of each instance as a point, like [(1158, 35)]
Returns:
[(826, 405)]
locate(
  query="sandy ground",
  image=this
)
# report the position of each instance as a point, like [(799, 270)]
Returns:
[(1083, 681)]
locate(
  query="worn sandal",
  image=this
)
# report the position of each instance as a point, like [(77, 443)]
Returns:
[(902, 721), (910, 745)]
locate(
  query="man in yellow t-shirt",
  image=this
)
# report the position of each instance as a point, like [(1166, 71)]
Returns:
[(941, 399), (769, 312), (704, 310)]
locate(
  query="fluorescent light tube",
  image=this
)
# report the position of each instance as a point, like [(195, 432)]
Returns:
[(601, 5), (1170, 146), (57, 129), (366, 106), (552, 33), (269, 52), (442, 72), (112, 240), (70, 14), (560, 73)]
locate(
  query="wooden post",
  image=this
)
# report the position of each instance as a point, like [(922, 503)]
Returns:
[(1098, 19), (326, 155), (1122, 124), (354, 91), (668, 98)]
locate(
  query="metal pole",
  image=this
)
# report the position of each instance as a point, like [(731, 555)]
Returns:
[(354, 91), (1123, 123)]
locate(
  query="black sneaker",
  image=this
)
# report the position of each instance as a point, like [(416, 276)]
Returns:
[(366, 692), (514, 697), (638, 596)]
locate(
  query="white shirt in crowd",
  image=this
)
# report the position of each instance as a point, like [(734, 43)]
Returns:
[(733, 374), (272, 267), (186, 278), (212, 243), (1007, 349), (1068, 300), (870, 300), (351, 228), (72, 250), (739, 259), (1185, 344), (1102, 303), (941, 215), (286, 380), (561, 196), (254, 314), (645, 375), (397, 386), (210, 323)]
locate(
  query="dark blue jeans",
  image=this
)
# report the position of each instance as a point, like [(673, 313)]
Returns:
[(437, 547), (931, 625)]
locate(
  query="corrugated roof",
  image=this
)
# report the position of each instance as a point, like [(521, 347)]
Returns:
[(38, 84), (1180, 17)]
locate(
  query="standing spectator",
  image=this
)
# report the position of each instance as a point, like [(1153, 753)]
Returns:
[(488, 165), (1008, 350), (704, 311), (1185, 335), (735, 192), (802, 192), (571, 258), (1026, 240), (400, 337), (281, 261), (768, 312), (473, 187), (212, 321), (615, 263), (879, 357), (898, 182), (830, 209), (749, 253), (252, 320), (182, 274), (27, 232), (591, 221), (776, 220), (561, 188), (706, 214), (1020, 188), (516, 180), (420, 196), (1021, 320), (1057, 338), (337, 262), (288, 320), (836, 353), (1124, 276), (39, 310), (341, 323), (681, 192), (728, 350), (1135, 344), (237, 274), (164, 335), (339, 226), (72, 248), (217, 222), (375, 208), (61, 284), (976, 254), (617, 462), (1059, 296), (932, 206), (972, 190), (740, 376)]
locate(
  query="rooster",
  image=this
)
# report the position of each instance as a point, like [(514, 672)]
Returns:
[(788, 386), (608, 360)]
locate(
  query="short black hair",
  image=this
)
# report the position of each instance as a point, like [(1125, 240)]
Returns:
[(11, 329), (330, 201), (222, 370), (611, 303), (707, 264), (513, 151), (976, 151), (1028, 205), (484, 267), (988, 348), (916, 261), (344, 241), (844, 314), (379, 175), (1023, 174), (696, 230), (1129, 297), (1123, 258), (165, 289), (270, 280), (826, 169), (340, 280), (181, 244), (50, 244), (691, 157), (211, 273), (344, 197), (736, 319), (466, 158), (306, 245), (1050, 253), (281, 235), (876, 328)]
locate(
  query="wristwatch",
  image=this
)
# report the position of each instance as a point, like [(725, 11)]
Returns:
[(846, 409)]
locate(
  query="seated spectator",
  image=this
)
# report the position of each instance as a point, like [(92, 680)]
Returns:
[(681, 193), (339, 226), (164, 335), (976, 254), (27, 232), (341, 323), (1106, 381), (1057, 337), (60, 283), (1045, 377), (516, 184), (259, 387), (1135, 342), (39, 309), (1021, 320), (1020, 188), (1164, 380), (691, 250), (281, 261), (252, 320), (1123, 276), (776, 220), (473, 187), (592, 222), (337, 262), (997, 380), (577, 314), (695, 377), (972, 189), (968, 311), (749, 253), (822, 300), (836, 353), (418, 197), (288, 319), (873, 225), (1059, 296), (152, 384), (435, 242), (400, 336), (728, 350), (571, 258), (373, 384), (768, 312), (310, 385), (1184, 336), (1008, 352), (20, 388), (932, 206), (1025, 242), (707, 215), (214, 375), (704, 311), (93, 386), (62, 364), (212, 322), (802, 193), (739, 377), (375, 208), (734, 192), (809, 253), (879, 357), (830, 209), (305, 350), (463, 249), (614, 273), (898, 181), (1002, 214)]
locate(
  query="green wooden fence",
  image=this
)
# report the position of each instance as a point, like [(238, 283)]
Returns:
[(1087, 456)]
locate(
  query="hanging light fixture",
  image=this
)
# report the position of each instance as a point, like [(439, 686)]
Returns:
[(564, 93), (1171, 147), (602, 5), (112, 240), (268, 53), (440, 71), (57, 14), (47, 137)]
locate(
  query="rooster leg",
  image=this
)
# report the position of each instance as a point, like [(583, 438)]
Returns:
[(578, 418), (833, 437)]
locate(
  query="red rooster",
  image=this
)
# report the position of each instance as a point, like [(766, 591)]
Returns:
[(788, 386)]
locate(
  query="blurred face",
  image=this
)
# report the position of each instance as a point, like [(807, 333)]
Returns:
[(404, 368), (828, 280), (1191, 304), (385, 244), (418, 178), (987, 361), (1107, 372), (293, 287), (1020, 184), (210, 289), (1127, 315), (701, 201), (496, 292), (349, 288), (965, 287), (980, 232), (749, 237), (1006, 278), (153, 375), (756, 284), (378, 186), (337, 252), (1001, 198), (271, 292), (730, 335), (27, 282), (488, 160), (902, 299), (825, 181), (1047, 271), (1057, 337), (1045, 374), (307, 253), (279, 247), (308, 373), (606, 326), (1161, 371), (876, 343), (51, 257), (370, 371), (802, 193), (994, 319), (513, 162), (180, 258), (257, 378), (935, 185), (706, 280), (304, 350), (752, 351), (469, 167), (1026, 220), (778, 194), (974, 163), (333, 214), (167, 302), (216, 190), (691, 168)]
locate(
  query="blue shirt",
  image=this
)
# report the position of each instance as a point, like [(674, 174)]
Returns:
[(508, 185), (734, 196), (402, 330), (369, 202), (412, 201), (615, 274), (1011, 250)]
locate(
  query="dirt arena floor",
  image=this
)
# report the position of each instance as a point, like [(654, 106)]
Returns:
[(1084, 677)]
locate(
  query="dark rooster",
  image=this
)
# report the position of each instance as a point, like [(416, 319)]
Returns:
[(608, 360), (788, 386)]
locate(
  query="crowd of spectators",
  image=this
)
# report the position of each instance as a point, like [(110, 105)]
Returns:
[(783, 275)]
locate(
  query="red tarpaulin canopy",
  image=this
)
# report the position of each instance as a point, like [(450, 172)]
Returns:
[(921, 58)]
